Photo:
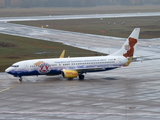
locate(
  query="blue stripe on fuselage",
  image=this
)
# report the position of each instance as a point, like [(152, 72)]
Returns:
[(28, 73), (52, 72)]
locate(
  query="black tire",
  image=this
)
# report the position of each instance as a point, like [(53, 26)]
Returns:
[(20, 80), (81, 77)]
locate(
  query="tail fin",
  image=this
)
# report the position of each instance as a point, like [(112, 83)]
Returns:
[(127, 50), (62, 54)]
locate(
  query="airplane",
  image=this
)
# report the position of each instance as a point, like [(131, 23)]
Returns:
[(77, 66)]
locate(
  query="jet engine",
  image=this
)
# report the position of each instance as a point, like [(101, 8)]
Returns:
[(69, 73)]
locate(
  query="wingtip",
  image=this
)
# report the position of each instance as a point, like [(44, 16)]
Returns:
[(62, 54)]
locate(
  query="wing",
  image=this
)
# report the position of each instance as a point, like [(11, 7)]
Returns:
[(144, 58)]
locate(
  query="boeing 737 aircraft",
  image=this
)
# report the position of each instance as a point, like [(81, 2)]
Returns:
[(77, 66)]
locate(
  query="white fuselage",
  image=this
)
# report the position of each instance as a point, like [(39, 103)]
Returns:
[(55, 66)]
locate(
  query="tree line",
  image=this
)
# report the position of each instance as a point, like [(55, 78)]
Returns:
[(71, 3)]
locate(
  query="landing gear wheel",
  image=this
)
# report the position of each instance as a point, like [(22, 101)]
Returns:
[(81, 77), (20, 80)]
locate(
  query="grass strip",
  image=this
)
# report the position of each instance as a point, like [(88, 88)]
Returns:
[(117, 27)]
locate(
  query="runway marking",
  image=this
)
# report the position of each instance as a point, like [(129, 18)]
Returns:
[(8, 88)]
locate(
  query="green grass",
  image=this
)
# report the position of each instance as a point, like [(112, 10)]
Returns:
[(17, 12), (14, 49), (150, 26)]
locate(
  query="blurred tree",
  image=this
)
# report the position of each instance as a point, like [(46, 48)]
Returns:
[(7, 3), (15, 3), (156, 1), (2, 4), (27, 3)]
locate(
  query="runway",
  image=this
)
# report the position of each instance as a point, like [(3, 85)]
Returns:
[(129, 93), (60, 17)]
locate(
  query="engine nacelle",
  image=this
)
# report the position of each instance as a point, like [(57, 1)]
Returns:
[(69, 73)]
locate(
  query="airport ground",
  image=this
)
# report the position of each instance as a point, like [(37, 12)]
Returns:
[(106, 27), (116, 27), (18, 12), (129, 93)]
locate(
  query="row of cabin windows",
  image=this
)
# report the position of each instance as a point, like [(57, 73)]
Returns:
[(40, 66), (75, 64), (93, 63)]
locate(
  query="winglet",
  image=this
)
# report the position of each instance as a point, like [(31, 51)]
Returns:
[(62, 54)]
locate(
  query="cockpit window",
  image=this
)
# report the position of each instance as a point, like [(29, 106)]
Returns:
[(15, 65)]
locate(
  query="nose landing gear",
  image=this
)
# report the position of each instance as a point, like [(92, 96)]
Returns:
[(20, 79)]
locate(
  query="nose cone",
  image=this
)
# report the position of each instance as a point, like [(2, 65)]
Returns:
[(7, 70), (11, 71)]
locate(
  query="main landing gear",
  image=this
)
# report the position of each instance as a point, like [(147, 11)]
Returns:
[(81, 77)]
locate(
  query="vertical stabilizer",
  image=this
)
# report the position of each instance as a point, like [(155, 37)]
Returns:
[(128, 48)]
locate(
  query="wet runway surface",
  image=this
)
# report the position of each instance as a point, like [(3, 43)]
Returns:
[(129, 93), (122, 94)]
